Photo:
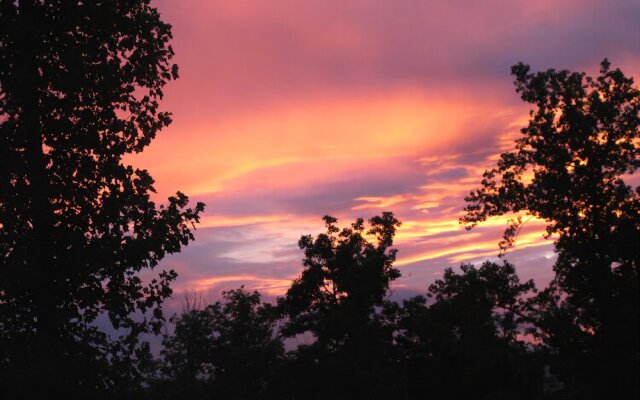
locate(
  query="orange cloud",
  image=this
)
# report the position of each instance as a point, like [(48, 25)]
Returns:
[(288, 110), (474, 250), (331, 133), (265, 285), (380, 202)]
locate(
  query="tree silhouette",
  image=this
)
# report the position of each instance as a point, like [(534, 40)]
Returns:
[(469, 333), (80, 84), (346, 276), (183, 366), (568, 169), (229, 349)]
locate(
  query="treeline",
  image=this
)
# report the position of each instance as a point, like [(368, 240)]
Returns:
[(465, 338), (479, 332), (80, 90)]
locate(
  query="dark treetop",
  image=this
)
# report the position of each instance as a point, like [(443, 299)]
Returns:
[(80, 84), (567, 169)]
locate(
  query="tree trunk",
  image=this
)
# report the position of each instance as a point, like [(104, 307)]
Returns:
[(41, 263)]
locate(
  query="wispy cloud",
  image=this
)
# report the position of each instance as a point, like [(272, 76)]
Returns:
[(289, 110)]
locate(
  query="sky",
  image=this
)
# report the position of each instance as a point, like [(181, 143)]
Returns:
[(289, 110)]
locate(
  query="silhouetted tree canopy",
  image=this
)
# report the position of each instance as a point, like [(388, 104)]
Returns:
[(228, 349), (186, 353), (567, 169), (490, 297), (80, 85), (346, 276), (466, 343)]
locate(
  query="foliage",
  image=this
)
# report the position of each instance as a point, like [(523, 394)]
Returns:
[(337, 297), (228, 349), (80, 85), (568, 169), (471, 333), (490, 297), (346, 275)]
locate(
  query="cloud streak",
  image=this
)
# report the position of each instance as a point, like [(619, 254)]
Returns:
[(289, 110)]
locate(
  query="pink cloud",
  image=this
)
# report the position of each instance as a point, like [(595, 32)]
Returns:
[(292, 109)]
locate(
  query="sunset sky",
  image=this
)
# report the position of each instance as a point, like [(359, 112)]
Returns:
[(289, 110)]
